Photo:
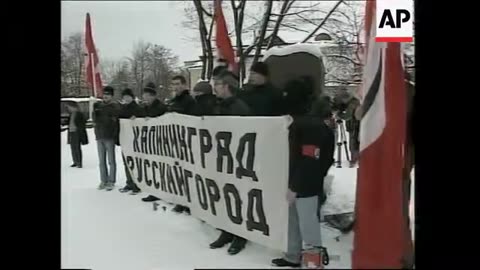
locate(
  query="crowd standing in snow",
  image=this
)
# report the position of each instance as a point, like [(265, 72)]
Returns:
[(312, 139)]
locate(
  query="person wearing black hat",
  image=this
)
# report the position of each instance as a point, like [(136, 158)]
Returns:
[(130, 109), (259, 93), (206, 100), (226, 88), (153, 107), (105, 119)]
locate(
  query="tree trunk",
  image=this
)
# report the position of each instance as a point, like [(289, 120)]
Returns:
[(208, 42), (203, 35), (238, 14), (263, 30)]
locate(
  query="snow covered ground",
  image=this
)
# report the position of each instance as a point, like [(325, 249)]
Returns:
[(113, 231)]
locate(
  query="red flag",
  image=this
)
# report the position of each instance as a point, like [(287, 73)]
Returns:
[(381, 231), (222, 40), (92, 65)]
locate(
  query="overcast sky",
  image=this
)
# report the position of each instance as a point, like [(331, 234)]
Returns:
[(117, 25)]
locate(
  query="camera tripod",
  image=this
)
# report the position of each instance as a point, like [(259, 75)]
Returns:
[(341, 139)]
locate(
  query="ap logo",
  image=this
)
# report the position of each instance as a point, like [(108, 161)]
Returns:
[(394, 21)]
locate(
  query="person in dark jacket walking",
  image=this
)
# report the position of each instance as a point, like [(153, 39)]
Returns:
[(105, 117), (153, 107), (129, 110), (311, 155), (260, 95), (205, 99), (77, 133), (226, 85), (183, 102)]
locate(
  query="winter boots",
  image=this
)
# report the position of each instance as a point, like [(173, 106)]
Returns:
[(102, 185), (180, 209), (150, 198), (284, 263), (222, 240), (238, 243)]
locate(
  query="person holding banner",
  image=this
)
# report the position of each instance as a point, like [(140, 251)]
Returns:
[(311, 155), (226, 86), (153, 107), (130, 109), (206, 100), (105, 119), (183, 103)]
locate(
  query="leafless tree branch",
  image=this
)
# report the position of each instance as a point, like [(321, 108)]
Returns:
[(296, 13), (323, 22), (263, 29), (294, 28), (284, 9), (344, 57)]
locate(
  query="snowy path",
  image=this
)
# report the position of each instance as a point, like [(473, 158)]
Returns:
[(113, 231)]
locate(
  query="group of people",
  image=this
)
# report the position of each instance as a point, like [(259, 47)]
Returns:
[(311, 140)]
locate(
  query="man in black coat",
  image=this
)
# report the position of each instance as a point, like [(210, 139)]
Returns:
[(153, 107), (260, 95), (77, 133), (226, 86), (105, 117), (205, 99), (129, 110), (312, 147), (183, 102)]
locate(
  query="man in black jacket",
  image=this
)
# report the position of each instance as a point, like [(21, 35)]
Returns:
[(182, 103), (153, 107), (105, 117), (311, 155), (260, 95), (77, 133), (130, 109), (205, 99), (226, 85)]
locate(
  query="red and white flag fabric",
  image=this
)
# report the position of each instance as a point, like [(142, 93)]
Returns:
[(222, 40), (382, 237), (92, 65)]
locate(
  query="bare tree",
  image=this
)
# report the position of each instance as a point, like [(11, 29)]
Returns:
[(139, 62), (72, 65), (162, 64)]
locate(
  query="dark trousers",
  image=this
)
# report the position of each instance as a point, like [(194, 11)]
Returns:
[(76, 148), (130, 182)]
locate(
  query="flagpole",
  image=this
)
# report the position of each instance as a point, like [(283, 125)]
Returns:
[(92, 99)]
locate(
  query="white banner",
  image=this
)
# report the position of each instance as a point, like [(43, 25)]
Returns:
[(231, 171)]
